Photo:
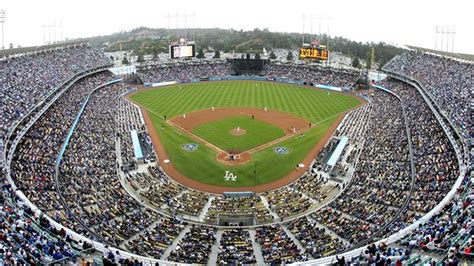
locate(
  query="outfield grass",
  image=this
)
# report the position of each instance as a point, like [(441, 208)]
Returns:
[(312, 104), (257, 133), (318, 106)]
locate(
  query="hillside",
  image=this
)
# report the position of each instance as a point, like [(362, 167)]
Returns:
[(155, 41)]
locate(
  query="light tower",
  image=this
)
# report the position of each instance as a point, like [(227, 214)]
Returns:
[(2, 20)]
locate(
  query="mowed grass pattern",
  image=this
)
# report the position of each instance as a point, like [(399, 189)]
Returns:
[(257, 133), (312, 104), (318, 106)]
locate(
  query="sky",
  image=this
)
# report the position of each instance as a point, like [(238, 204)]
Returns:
[(397, 22)]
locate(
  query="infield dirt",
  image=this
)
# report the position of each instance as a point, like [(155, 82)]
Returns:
[(279, 119), (291, 125), (269, 117)]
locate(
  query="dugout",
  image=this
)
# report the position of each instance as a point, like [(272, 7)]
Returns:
[(137, 149), (240, 194), (236, 220)]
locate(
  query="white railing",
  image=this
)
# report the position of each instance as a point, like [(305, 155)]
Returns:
[(14, 126), (97, 245), (327, 260), (438, 208)]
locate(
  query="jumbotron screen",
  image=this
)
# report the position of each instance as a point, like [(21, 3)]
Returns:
[(182, 51), (314, 53)]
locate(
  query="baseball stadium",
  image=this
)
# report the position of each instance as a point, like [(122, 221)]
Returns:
[(208, 146)]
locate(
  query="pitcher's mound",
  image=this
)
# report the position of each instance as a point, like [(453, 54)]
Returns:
[(237, 132)]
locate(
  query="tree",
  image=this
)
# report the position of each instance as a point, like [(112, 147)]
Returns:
[(217, 54), (140, 58), (125, 60), (155, 53), (155, 56), (257, 56), (272, 55), (356, 62), (200, 54), (112, 58), (289, 57), (368, 60)]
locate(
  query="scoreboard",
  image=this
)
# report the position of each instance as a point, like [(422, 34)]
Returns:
[(182, 51), (314, 53)]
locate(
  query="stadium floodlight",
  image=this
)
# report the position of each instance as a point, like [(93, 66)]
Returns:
[(2, 20), (452, 44), (436, 36)]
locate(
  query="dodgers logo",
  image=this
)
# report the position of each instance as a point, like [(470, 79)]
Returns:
[(230, 176), (189, 147), (281, 150)]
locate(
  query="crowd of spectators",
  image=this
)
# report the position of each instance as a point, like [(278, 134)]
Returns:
[(32, 168), (354, 128), (154, 241), (29, 238), (189, 71), (236, 248), (158, 190), (436, 171), (447, 80), (435, 160), (242, 206), (287, 202), (345, 226), (450, 231), (93, 197), (88, 178), (128, 118), (316, 240), (90, 199), (315, 187), (381, 182), (183, 72), (195, 247), (277, 247), (313, 74), (353, 125), (379, 254), (26, 80)]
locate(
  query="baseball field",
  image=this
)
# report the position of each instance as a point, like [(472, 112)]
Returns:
[(273, 126), (238, 133)]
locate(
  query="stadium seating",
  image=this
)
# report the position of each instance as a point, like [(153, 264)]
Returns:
[(311, 74), (182, 72), (370, 193), (447, 80), (26, 80)]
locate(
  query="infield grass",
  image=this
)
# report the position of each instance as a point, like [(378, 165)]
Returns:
[(318, 106), (256, 133)]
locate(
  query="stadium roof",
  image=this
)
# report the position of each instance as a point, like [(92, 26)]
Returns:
[(32, 49), (468, 57)]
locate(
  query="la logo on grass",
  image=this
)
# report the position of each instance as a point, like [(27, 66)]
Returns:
[(230, 176)]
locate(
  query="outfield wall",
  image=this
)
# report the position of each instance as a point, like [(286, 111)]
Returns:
[(391, 239), (251, 78)]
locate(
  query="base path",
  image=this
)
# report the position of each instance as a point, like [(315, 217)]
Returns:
[(290, 124), (276, 118), (191, 183)]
